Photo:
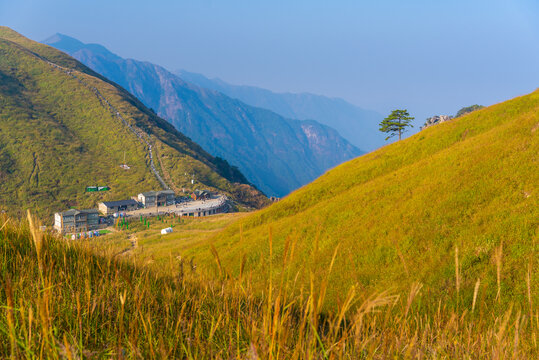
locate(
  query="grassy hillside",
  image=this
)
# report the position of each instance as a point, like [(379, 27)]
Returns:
[(276, 154), (148, 246), (462, 195), (62, 300), (58, 135)]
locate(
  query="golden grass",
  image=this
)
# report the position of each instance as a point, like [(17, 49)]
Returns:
[(91, 305), (154, 249), (424, 249), (399, 214)]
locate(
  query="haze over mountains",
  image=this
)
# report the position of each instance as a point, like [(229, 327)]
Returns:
[(276, 154), (357, 125)]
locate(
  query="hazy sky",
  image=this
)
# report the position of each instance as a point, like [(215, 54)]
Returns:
[(430, 56)]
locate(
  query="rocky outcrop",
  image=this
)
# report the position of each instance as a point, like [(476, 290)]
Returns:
[(437, 119)]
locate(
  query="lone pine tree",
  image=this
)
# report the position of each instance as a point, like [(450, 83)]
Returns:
[(396, 123)]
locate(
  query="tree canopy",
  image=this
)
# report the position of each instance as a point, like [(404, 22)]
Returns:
[(396, 123)]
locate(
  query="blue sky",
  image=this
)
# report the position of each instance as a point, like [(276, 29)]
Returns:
[(431, 57)]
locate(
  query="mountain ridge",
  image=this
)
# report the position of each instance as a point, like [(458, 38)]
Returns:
[(359, 126), (62, 128), (273, 152)]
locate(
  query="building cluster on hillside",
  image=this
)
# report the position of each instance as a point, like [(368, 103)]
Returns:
[(79, 221), (73, 220), (113, 207), (157, 198)]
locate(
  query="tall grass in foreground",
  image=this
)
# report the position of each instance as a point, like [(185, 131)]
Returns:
[(61, 300)]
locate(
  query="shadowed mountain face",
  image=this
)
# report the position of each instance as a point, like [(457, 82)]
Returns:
[(276, 154), (357, 125)]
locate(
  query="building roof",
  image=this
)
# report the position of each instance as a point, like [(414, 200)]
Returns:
[(119, 203), (90, 211), (156, 193), (72, 212)]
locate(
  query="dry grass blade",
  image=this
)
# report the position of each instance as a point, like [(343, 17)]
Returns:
[(457, 274), (475, 292), (498, 253), (37, 235), (9, 316), (4, 225), (414, 291), (217, 259)]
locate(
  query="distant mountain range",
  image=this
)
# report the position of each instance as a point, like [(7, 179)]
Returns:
[(276, 154), (357, 125)]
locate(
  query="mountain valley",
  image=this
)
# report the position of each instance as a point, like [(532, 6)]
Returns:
[(276, 154)]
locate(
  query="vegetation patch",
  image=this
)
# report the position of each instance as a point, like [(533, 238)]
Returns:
[(396, 216), (63, 300), (60, 132)]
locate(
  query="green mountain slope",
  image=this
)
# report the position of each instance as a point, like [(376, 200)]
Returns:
[(67, 300), (398, 215), (63, 127), (276, 154)]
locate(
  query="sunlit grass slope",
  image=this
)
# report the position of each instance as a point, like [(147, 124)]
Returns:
[(57, 137), (399, 215), (144, 241), (63, 300)]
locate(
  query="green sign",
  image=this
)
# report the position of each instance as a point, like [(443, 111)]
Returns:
[(97, 188)]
